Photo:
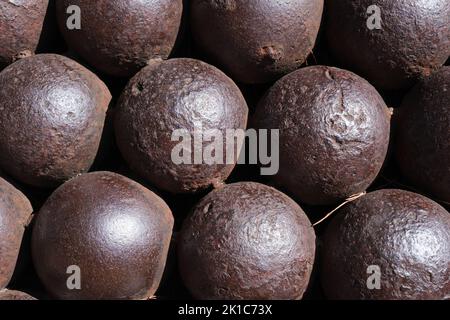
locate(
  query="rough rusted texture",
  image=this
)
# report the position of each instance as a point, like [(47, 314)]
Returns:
[(51, 119), (120, 37), (114, 229), (21, 23), (334, 133), (405, 234), (177, 94), (15, 295), (414, 39), (423, 135), (15, 211), (246, 241), (256, 41)]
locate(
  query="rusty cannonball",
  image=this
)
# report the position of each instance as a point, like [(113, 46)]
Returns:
[(390, 43), (389, 244), (256, 41), (119, 37), (246, 241), (107, 230), (175, 102), (334, 133), (423, 135), (15, 212), (21, 25), (15, 295), (52, 112)]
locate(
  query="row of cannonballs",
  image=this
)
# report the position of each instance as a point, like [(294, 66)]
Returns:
[(243, 240)]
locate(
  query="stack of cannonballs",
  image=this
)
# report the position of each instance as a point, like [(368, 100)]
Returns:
[(94, 205)]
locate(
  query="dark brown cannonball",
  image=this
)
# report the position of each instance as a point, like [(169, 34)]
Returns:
[(423, 135), (334, 133), (21, 24), (119, 37), (52, 112), (15, 212), (246, 241), (178, 94), (113, 229), (256, 41), (413, 40), (15, 295), (399, 237)]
